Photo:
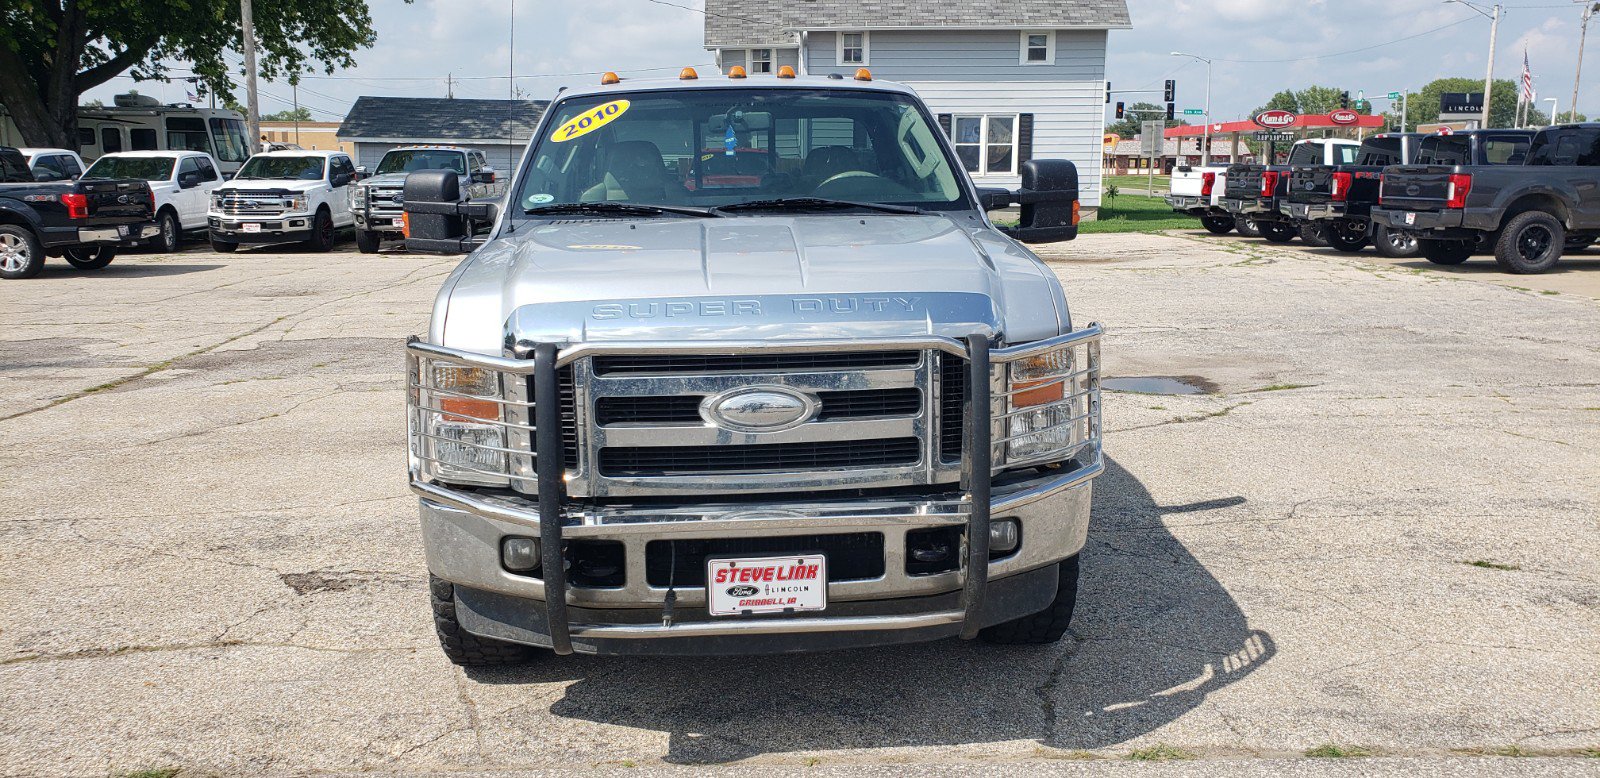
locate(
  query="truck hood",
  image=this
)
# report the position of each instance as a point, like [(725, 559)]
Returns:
[(267, 184), (747, 278)]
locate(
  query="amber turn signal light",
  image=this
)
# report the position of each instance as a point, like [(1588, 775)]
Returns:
[(786, 72), (610, 78), (687, 74)]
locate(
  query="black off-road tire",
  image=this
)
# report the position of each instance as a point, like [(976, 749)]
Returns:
[(1046, 626), (1343, 239), (323, 234), (169, 233), (1314, 235), (1445, 252), (1247, 227), (21, 253), (222, 246), (1530, 243), (1278, 232), (1394, 244), (367, 241), (1217, 225), (89, 257), (463, 647)]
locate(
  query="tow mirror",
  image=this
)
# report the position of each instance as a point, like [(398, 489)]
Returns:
[(483, 176), (436, 219), (1049, 200)]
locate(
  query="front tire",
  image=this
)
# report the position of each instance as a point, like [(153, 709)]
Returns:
[(463, 647), (367, 241), (21, 253), (322, 233), (1395, 244), (222, 246), (1217, 225), (1445, 252), (90, 257), (1278, 232), (1046, 626), (1247, 226), (168, 233), (1530, 243)]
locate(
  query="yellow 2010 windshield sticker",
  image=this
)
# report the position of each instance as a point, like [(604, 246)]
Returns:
[(591, 120)]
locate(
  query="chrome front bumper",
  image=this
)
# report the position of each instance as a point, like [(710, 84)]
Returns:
[(463, 530)]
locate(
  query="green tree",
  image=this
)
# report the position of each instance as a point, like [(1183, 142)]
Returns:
[(52, 51), (1423, 107), (1136, 115), (301, 114), (1313, 100)]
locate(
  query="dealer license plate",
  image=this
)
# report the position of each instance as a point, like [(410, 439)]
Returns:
[(249, 228), (122, 230), (735, 587), (1411, 218)]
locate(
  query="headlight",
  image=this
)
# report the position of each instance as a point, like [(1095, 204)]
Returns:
[(1046, 412), (355, 196), (462, 421), (297, 204), (216, 201)]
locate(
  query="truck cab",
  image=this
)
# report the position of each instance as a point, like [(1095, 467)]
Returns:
[(53, 164), (377, 202), (182, 182), (820, 404), (284, 197), (1257, 195)]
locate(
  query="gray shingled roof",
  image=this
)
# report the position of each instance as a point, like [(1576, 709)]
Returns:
[(745, 22), (439, 118)]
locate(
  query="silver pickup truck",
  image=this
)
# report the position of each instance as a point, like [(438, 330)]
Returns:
[(744, 367), (377, 201)]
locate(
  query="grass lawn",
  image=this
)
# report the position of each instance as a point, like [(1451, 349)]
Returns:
[(1137, 213), (1141, 183)]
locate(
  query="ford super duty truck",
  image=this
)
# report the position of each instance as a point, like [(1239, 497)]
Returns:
[(1525, 200), (821, 404), (83, 221), (378, 202), (1257, 195), (1197, 191)]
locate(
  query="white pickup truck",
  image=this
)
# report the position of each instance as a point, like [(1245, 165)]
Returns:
[(284, 197), (1197, 191), (182, 182)]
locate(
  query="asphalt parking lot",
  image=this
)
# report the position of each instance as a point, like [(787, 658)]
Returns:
[(1377, 527)]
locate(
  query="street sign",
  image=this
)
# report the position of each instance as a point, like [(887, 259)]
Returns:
[(1273, 137), (1194, 112), (1394, 95), (1150, 137)]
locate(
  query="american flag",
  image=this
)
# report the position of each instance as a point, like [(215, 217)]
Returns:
[(1528, 95)]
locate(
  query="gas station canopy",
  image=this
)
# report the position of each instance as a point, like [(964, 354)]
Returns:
[(1303, 122)]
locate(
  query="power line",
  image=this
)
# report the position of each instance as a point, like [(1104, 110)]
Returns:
[(1351, 51)]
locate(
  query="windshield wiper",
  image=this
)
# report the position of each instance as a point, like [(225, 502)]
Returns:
[(813, 204), (628, 209)]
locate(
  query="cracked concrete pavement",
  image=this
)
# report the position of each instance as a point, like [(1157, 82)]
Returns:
[(1379, 530)]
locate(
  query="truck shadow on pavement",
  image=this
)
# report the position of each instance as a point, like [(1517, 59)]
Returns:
[(114, 270), (1153, 635)]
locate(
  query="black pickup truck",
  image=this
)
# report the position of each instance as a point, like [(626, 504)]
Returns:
[(83, 221), (1335, 201), (1257, 195), (1542, 200)]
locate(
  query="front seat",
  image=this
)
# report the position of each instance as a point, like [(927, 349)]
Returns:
[(633, 172), (825, 162)]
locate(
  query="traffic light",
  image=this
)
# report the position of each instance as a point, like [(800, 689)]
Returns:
[(1344, 99), (1108, 93), (1199, 144), (1119, 110), (1171, 110), (1172, 90)]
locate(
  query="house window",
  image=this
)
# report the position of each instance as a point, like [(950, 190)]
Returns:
[(1038, 47), (854, 48), (986, 143), (760, 61)]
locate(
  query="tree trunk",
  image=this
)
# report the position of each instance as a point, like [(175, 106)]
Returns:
[(46, 114)]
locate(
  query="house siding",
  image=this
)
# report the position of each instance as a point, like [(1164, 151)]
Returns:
[(977, 72)]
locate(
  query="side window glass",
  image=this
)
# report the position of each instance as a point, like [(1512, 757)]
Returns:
[(1588, 148), (208, 171), (1306, 154), (188, 165), (142, 139), (110, 139), (70, 165)]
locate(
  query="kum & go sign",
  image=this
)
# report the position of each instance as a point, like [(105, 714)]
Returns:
[(1274, 120)]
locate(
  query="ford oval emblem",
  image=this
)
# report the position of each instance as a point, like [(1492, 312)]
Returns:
[(1413, 190), (742, 590), (759, 409), (400, 199)]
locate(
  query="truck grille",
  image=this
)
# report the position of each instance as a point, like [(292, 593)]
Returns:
[(855, 556), (685, 409), (385, 201), (789, 457), (248, 203)]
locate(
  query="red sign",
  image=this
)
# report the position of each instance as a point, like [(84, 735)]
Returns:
[(1446, 131), (1274, 120), (1344, 117)]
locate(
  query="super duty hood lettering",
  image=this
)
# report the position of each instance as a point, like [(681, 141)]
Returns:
[(843, 305)]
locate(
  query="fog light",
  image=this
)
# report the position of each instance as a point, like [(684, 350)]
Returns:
[(1004, 536), (520, 555)]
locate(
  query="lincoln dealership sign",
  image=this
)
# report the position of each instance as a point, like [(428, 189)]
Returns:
[(1273, 120)]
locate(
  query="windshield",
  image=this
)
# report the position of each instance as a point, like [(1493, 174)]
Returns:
[(147, 168), (718, 147), (423, 159), (302, 168)]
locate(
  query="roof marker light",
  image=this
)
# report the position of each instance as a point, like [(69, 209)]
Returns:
[(687, 74), (786, 72), (736, 72), (862, 74), (610, 78)]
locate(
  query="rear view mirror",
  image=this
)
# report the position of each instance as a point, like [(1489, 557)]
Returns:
[(436, 219), (1049, 200), (188, 180)]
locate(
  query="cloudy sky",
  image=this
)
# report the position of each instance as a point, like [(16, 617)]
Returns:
[(1375, 45)]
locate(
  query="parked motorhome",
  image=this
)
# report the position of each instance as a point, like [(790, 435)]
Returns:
[(142, 123)]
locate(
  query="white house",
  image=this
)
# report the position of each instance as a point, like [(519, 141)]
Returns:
[(1009, 81)]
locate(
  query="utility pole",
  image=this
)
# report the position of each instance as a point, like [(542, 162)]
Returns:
[(252, 120), (1493, 15), (450, 86), (294, 89), (1583, 36)]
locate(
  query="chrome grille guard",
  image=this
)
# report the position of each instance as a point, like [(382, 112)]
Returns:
[(546, 467)]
